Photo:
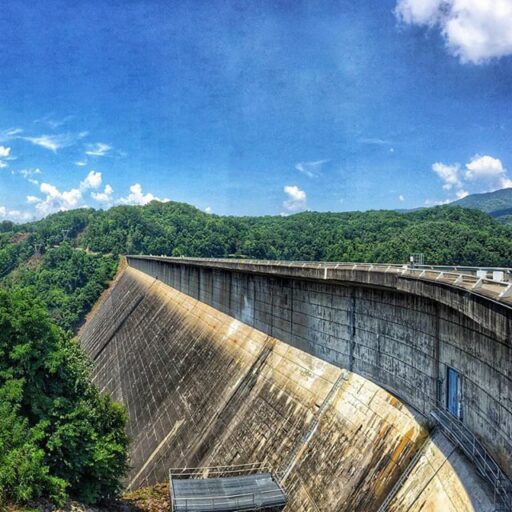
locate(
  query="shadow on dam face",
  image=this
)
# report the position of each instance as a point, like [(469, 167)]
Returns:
[(204, 389)]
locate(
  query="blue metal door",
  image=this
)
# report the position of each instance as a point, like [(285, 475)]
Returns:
[(453, 390)]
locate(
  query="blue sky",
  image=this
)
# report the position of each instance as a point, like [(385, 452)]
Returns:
[(263, 107)]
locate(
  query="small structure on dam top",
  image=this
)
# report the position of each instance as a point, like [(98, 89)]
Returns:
[(225, 489)]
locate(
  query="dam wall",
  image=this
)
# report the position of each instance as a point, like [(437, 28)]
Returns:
[(203, 388), (404, 334)]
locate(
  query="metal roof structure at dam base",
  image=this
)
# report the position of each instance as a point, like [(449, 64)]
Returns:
[(360, 387), (225, 489)]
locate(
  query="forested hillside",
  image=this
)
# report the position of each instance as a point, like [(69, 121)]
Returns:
[(488, 201), (68, 258), (497, 204)]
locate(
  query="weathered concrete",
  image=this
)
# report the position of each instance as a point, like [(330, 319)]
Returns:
[(400, 332), (441, 480), (203, 388)]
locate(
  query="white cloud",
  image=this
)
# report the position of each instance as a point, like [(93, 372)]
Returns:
[(449, 174), (14, 215), (98, 149), (81, 163), (401, 198), (105, 196), (474, 30), (483, 170), (433, 202), (92, 180), (5, 155), (311, 169), (137, 196), (208, 209), (296, 198), (488, 170), (55, 142), (484, 167), (56, 200)]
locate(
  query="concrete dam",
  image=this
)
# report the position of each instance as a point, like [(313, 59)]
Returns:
[(366, 388)]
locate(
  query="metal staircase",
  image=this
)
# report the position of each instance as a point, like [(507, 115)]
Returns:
[(486, 466)]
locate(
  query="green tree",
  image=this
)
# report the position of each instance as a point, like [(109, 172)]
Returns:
[(58, 435)]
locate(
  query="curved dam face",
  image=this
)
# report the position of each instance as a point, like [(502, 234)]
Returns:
[(203, 387)]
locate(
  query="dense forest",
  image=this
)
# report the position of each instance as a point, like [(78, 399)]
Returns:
[(67, 258), (58, 437)]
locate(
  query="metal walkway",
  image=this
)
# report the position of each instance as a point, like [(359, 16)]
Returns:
[(242, 489)]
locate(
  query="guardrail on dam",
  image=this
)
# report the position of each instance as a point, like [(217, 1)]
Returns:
[(432, 337)]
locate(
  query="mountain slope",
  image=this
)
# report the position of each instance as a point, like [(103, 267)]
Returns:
[(489, 202)]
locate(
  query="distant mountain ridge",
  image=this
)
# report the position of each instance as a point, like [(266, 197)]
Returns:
[(498, 204)]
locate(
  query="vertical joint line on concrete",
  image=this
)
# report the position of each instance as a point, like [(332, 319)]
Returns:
[(353, 328), (437, 383)]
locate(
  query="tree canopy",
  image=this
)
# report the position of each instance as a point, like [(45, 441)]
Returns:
[(58, 435)]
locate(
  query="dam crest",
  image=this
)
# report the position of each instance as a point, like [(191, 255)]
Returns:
[(327, 373)]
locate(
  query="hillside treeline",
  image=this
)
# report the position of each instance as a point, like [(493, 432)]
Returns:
[(67, 258)]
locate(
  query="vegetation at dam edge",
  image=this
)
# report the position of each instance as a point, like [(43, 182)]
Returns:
[(58, 436)]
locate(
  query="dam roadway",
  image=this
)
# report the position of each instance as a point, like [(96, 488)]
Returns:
[(329, 373)]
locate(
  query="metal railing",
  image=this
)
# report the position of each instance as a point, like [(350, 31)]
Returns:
[(491, 282), (219, 471), (486, 466)]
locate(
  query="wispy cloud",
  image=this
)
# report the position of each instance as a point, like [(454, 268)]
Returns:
[(98, 149), (56, 141), (375, 141), (29, 173), (311, 169), (10, 134), (53, 122)]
